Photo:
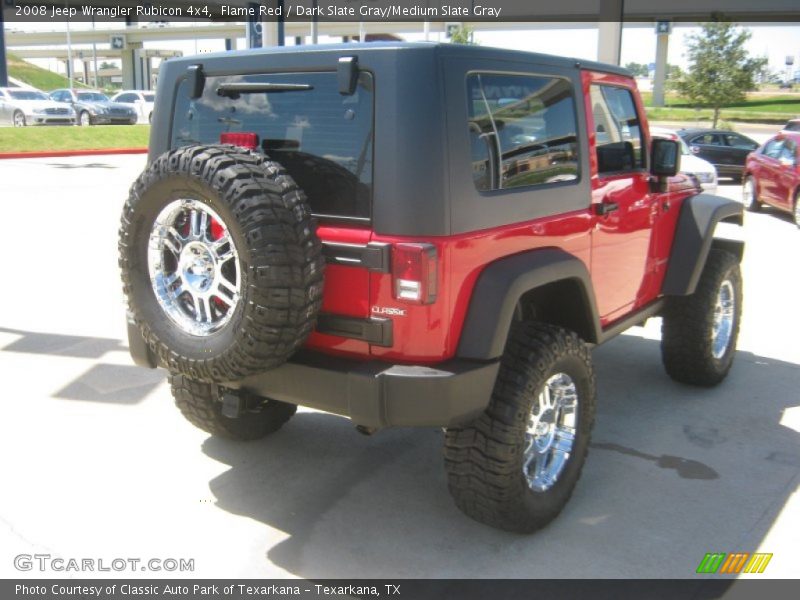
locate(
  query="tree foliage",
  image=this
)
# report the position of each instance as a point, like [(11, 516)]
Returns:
[(638, 69), (720, 69), (463, 35)]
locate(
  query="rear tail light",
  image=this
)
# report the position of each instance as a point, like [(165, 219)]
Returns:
[(242, 139), (415, 272)]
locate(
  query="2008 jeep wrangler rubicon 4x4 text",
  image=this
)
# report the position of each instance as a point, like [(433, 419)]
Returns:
[(419, 235)]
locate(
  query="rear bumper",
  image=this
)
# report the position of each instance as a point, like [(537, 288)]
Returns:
[(373, 394), (376, 394)]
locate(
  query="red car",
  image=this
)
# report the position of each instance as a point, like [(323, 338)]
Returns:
[(772, 175)]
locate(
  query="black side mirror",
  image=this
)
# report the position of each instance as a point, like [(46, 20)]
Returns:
[(666, 158)]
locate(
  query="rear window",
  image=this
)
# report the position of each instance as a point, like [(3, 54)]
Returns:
[(322, 138)]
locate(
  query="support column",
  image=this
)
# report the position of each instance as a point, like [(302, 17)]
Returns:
[(609, 38), (660, 78), (85, 72), (130, 76), (3, 64)]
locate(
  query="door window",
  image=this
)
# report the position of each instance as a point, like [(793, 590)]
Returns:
[(773, 149), (523, 131), (618, 131), (738, 141), (707, 139)]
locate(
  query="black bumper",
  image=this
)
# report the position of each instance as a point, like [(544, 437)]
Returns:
[(373, 394)]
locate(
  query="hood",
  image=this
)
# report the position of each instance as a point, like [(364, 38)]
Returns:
[(39, 104)]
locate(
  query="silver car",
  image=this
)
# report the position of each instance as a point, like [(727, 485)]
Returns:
[(21, 107)]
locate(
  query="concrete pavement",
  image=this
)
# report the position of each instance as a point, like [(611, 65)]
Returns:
[(98, 463)]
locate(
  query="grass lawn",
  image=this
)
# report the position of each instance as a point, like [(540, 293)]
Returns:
[(765, 108), (33, 139), (36, 76)]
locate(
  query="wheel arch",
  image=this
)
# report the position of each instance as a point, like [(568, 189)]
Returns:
[(549, 284), (694, 238)]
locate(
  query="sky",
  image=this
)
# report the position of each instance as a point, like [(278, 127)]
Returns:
[(638, 42)]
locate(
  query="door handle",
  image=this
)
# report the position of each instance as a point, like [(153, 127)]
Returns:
[(605, 207), (665, 205)]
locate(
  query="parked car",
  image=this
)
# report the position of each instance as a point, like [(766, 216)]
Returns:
[(726, 150), (690, 164), (281, 250), (21, 107), (772, 175), (791, 125), (94, 108), (142, 101)]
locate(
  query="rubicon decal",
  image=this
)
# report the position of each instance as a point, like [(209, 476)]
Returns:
[(734, 563), (388, 310)]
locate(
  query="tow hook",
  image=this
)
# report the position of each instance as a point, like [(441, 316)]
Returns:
[(232, 404), (364, 430)]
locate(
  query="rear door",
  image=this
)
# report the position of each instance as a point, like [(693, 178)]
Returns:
[(710, 147), (625, 207), (738, 147)]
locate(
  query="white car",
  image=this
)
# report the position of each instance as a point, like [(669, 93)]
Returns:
[(690, 164), (142, 101), (20, 107)]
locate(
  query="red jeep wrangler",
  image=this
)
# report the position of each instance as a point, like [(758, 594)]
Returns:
[(419, 235)]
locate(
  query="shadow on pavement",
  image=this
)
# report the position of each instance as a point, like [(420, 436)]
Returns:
[(103, 382), (56, 344), (674, 472), (119, 384)]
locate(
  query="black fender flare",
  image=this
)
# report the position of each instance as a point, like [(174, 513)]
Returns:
[(694, 236), (500, 287)]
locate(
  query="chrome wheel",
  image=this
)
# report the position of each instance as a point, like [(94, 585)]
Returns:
[(550, 434), (797, 210), (748, 192), (85, 119), (724, 311), (19, 119), (194, 267)]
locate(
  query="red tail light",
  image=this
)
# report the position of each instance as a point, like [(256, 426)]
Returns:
[(242, 139), (414, 272)]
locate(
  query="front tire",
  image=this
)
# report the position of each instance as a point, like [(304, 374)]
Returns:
[(515, 467), (750, 195), (19, 119), (201, 405), (699, 332), (84, 119), (796, 210)]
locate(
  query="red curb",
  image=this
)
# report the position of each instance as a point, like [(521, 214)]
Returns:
[(60, 153)]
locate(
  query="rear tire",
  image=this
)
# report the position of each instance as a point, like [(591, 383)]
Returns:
[(699, 332), (542, 409), (796, 210), (750, 195), (201, 405)]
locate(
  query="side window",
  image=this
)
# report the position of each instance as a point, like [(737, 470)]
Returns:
[(618, 133), (127, 98), (737, 141), (522, 131), (708, 139), (788, 152), (773, 149)]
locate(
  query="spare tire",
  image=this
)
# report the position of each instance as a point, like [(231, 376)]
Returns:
[(220, 263)]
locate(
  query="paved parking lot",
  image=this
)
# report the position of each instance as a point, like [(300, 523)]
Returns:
[(97, 463)]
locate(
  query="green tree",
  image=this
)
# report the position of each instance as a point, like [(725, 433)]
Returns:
[(720, 70), (638, 69), (463, 35)]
